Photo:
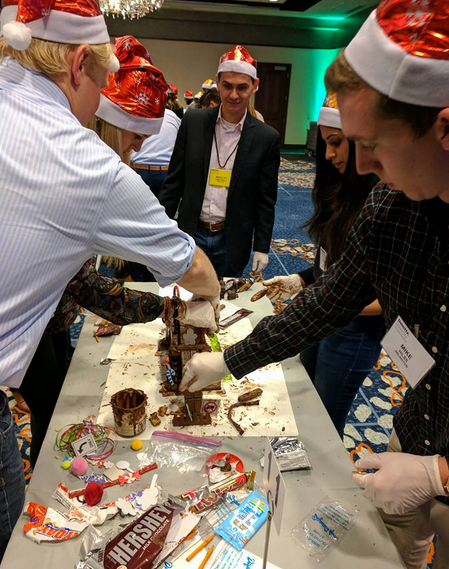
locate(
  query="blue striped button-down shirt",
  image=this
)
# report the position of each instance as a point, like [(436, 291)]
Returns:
[(64, 195)]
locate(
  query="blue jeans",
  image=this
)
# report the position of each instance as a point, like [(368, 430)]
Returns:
[(12, 482), (154, 179), (339, 364), (213, 244)]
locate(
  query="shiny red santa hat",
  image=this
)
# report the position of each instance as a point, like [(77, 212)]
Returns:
[(188, 95), (402, 50), (136, 95), (238, 60), (329, 112), (61, 21)]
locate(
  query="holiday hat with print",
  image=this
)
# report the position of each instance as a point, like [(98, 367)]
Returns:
[(402, 51), (188, 94), (198, 95), (238, 60), (329, 113), (136, 95), (207, 85), (61, 21)]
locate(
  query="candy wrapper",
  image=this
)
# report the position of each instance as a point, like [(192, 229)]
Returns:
[(48, 525), (323, 528), (153, 536), (290, 453), (205, 497), (240, 527)]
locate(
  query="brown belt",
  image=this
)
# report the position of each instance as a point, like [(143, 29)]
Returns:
[(212, 226), (152, 168)]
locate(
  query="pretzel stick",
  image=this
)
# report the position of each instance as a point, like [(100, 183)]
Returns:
[(239, 404)]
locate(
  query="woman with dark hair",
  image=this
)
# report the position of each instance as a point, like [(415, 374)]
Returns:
[(338, 364)]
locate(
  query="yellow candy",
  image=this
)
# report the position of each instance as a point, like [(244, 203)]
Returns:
[(136, 444), (65, 464)]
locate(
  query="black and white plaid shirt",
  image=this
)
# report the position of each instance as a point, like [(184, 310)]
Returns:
[(398, 252)]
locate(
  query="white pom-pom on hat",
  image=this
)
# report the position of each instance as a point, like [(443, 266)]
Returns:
[(17, 35), (113, 64)]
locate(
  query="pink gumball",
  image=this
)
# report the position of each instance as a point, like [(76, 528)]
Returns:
[(79, 466)]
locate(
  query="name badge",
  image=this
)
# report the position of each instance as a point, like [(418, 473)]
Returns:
[(408, 354), (323, 259), (220, 178)]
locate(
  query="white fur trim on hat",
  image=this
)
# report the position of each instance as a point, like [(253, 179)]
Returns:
[(237, 67), (329, 117), (113, 114), (392, 71), (60, 27)]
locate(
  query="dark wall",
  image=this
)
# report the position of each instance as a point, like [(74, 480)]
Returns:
[(218, 27)]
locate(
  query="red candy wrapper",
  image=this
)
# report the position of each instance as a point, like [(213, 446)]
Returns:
[(217, 490)]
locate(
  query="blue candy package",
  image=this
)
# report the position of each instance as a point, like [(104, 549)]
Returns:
[(239, 527)]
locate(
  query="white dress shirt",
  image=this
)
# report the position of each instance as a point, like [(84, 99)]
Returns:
[(157, 149), (216, 197), (64, 195)]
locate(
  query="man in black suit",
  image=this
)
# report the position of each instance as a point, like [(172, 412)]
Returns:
[(223, 173)]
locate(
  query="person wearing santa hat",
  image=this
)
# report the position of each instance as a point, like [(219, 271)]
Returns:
[(65, 195), (338, 364), (188, 97), (99, 294), (223, 173), (392, 90)]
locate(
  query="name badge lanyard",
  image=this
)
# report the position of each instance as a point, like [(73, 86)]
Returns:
[(223, 167)]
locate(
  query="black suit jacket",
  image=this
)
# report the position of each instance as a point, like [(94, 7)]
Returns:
[(252, 193)]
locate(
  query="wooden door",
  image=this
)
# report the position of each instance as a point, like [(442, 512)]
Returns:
[(272, 97)]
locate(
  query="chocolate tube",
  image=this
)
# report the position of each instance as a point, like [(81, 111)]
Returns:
[(217, 490)]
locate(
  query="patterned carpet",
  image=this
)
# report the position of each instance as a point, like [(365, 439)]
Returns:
[(370, 421)]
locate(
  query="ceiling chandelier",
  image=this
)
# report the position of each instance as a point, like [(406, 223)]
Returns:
[(129, 8)]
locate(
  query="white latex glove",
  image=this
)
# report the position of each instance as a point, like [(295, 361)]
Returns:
[(260, 261), (214, 300), (403, 482), (202, 370), (200, 314), (282, 288)]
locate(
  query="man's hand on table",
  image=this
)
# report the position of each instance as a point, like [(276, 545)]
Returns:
[(200, 314), (403, 482), (202, 370)]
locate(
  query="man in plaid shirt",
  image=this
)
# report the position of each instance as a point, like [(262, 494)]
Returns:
[(392, 89)]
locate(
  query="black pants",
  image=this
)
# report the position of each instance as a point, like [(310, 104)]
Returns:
[(42, 383)]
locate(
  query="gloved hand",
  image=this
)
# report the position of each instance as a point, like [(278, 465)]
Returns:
[(214, 300), (282, 288), (200, 314), (403, 482), (260, 261), (202, 370)]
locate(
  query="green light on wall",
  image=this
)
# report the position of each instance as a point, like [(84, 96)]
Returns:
[(321, 59)]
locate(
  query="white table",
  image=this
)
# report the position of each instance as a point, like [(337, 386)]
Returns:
[(367, 545)]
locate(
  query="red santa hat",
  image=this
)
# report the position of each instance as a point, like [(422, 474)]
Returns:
[(54, 20), (238, 60), (402, 50), (188, 95), (207, 85), (329, 112), (173, 90), (136, 95)]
